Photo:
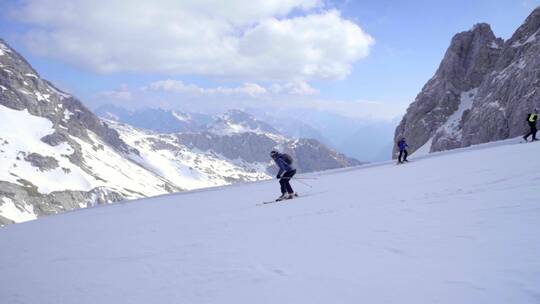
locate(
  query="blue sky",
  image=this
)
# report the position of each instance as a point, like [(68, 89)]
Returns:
[(410, 38)]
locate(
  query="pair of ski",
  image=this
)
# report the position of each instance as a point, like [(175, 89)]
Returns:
[(403, 162), (278, 200)]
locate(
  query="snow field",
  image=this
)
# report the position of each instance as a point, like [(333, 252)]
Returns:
[(456, 227)]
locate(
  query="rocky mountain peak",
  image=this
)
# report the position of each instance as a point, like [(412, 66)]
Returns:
[(238, 121), (470, 55), (481, 91)]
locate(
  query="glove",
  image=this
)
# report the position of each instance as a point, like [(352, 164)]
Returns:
[(278, 176)]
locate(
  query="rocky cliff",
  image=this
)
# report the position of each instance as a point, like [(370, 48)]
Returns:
[(481, 92)]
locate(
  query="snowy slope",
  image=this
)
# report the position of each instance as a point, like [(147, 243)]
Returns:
[(110, 168), (451, 227), (188, 168), (56, 155)]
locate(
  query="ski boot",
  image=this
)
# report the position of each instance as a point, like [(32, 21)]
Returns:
[(282, 197)]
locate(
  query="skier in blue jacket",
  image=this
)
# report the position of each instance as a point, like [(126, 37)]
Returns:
[(286, 172), (402, 145)]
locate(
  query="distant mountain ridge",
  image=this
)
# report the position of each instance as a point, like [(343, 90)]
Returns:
[(174, 121), (482, 91), (362, 139), (237, 135), (159, 120)]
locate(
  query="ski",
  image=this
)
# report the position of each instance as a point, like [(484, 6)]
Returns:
[(277, 201), (403, 163)]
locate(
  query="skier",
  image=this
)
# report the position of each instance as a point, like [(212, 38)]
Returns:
[(402, 144), (532, 118), (286, 172)]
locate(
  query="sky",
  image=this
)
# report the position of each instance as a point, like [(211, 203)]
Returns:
[(365, 59)]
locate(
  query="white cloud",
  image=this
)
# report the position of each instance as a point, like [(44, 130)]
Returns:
[(247, 89), (293, 97), (252, 40), (123, 93), (294, 88), (179, 87)]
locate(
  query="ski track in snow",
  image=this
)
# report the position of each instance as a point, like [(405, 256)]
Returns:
[(452, 227)]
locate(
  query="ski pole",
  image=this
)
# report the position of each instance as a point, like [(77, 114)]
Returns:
[(299, 180), (304, 183)]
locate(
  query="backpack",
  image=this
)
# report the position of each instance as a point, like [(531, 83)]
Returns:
[(287, 158)]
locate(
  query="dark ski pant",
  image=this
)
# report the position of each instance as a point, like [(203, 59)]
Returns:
[(532, 132), (284, 181), (403, 153)]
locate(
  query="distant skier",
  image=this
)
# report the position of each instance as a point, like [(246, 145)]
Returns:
[(286, 172), (532, 118), (402, 145)]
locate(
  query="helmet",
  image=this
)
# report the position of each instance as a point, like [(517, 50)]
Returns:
[(273, 154)]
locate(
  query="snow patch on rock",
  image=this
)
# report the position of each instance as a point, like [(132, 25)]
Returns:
[(42, 97), (452, 125), (425, 149), (530, 39), (67, 114), (16, 213)]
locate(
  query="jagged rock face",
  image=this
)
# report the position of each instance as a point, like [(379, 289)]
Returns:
[(470, 56), (510, 91), (22, 88), (481, 92)]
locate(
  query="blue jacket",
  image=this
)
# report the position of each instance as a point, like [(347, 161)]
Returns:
[(282, 164), (402, 145)]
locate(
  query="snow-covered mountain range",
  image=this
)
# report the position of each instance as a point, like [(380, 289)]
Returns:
[(365, 139), (235, 135), (467, 236), (482, 91), (56, 155)]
